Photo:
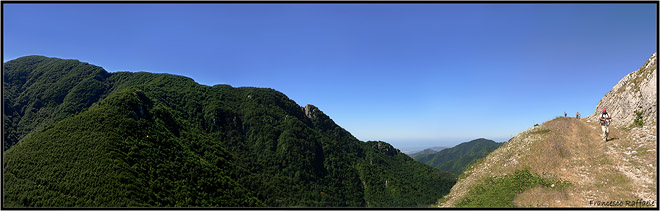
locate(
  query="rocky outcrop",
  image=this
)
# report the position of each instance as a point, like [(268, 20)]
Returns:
[(386, 148), (635, 92), (310, 111)]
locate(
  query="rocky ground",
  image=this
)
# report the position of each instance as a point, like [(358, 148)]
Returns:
[(623, 169)]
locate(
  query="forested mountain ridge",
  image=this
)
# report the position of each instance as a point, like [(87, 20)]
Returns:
[(456, 158), (78, 136), (38, 91)]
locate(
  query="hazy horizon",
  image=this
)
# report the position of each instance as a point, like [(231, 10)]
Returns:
[(413, 75), (419, 145)]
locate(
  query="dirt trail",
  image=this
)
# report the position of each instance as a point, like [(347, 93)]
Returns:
[(633, 152), (621, 169)]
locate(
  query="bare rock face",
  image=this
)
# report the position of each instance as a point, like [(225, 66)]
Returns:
[(386, 148), (310, 111), (635, 92)]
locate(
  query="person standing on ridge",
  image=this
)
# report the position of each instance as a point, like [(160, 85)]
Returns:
[(605, 119), (564, 113), (577, 115)]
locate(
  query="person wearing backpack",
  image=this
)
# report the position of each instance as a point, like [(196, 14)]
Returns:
[(605, 119)]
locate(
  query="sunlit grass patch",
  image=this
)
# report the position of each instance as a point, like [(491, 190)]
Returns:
[(541, 197), (501, 191)]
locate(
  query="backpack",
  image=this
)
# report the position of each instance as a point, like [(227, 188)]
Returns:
[(606, 121)]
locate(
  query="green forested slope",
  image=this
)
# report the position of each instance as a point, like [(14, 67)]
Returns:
[(393, 178), (115, 155), (455, 159), (143, 139), (38, 91)]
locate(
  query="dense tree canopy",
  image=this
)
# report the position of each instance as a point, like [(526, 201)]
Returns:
[(76, 135)]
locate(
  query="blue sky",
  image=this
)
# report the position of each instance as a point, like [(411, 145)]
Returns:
[(414, 75)]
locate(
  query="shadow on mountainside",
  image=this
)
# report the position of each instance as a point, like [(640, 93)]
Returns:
[(621, 169), (612, 139)]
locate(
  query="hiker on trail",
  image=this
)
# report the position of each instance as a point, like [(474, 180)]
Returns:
[(577, 115), (564, 113), (605, 119)]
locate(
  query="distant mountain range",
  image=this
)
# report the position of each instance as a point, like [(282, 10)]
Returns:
[(456, 158), (412, 153), (78, 136)]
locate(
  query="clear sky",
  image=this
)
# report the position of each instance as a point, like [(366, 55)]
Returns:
[(414, 75)]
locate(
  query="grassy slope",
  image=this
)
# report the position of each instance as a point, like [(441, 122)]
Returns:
[(570, 150)]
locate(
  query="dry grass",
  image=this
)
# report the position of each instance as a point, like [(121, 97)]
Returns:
[(570, 149), (541, 197)]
